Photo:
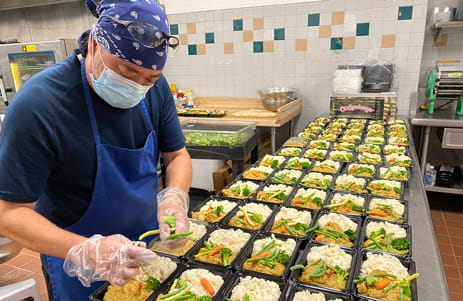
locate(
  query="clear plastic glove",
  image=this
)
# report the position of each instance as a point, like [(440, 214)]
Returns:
[(113, 258), (173, 201)]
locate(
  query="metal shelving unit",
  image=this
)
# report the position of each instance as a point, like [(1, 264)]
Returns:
[(439, 26)]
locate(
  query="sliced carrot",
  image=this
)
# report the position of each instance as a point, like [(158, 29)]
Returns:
[(321, 165), (378, 213), (209, 209), (329, 272), (207, 286), (282, 229), (382, 284), (261, 255), (297, 201), (318, 238), (338, 147), (140, 285), (215, 251), (353, 185)]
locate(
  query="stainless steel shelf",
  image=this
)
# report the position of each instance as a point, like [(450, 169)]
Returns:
[(452, 24), (456, 189)]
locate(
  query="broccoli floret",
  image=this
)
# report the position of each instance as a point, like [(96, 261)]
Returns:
[(301, 226), (400, 243), (152, 283), (317, 201), (351, 234), (283, 258), (204, 298), (170, 220), (226, 253), (218, 210), (375, 234)]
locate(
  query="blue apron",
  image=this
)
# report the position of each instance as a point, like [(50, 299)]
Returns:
[(123, 200)]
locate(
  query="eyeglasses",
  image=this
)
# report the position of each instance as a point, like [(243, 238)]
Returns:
[(149, 35)]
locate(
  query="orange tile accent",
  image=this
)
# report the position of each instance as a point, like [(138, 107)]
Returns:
[(442, 41), (388, 41), (348, 43), (228, 48), (248, 36), (191, 28), (258, 23), (324, 31), (201, 49), (183, 39), (337, 18), (269, 46), (301, 45)]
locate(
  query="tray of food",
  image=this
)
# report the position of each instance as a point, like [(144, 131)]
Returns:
[(350, 138), (397, 173), (335, 228), (272, 161), (355, 126), (386, 188), (313, 130), (217, 113), (307, 136), (343, 146), (309, 198), (353, 132), (349, 183), (341, 156), (251, 286), (298, 163), (258, 173), (368, 148), (375, 133), (327, 137), (302, 292), (286, 176), (327, 166), (361, 170), (346, 203), (398, 141), (398, 160), (319, 144), (395, 149), (388, 209), (292, 222), (315, 153), (332, 131), (378, 122), (316, 180), (214, 209), (322, 120), (274, 193), (374, 140), (367, 158), (295, 142), (375, 127), (290, 152), (251, 216), (240, 189)]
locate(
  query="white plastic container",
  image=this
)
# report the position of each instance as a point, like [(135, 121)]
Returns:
[(430, 175)]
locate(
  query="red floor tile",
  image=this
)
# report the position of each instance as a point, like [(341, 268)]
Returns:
[(449, 260), (456, 241), (444, 239), (457, 296), (452, 272), (446, 249), (441, 230), (455, 284), (459, 260)]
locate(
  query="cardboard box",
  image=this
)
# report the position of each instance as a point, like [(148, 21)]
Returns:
[(221, 176)]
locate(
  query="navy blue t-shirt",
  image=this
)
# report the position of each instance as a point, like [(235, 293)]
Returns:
[(47, 149)]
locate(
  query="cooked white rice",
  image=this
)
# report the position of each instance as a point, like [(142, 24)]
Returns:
[(397, 206), (294, 215), (262, 209), (383, 262), (287, 246), (317, 176), (311, 152), (266, 169), (273, 187), (373, 156), (332, 254), (329, 163), (342, 221), (214, 203), (398, 231), (351, 137), (339, 153), (194, 277), (376, 127), (280, 159), (394, 169), (388, 183), (257, 289), (339, 197), (290, 149), (397, 157), (346, 179), (160, 268), (393, 147), (198, 230), (251, 185), (308, 296), (316, 142), (232, 239), (289, 172), (394, 122), (362, 166), (374, 140), (397, 140), (301, 160), (307, 192)]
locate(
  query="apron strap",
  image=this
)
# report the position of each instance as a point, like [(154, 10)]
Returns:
[(88, 100), (147, 115)]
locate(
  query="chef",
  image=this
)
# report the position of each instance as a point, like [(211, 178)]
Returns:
[(79, 148)]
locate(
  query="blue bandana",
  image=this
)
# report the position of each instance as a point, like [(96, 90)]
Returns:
[(116, 39)]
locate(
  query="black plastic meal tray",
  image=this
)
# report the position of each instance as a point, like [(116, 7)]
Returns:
[(375, 166), (405, 216), (267, 184), (257, 165), (329, 295), (272, 206), (219, 198), (333, 175), (288, 203), (239, 178), (365, 204)]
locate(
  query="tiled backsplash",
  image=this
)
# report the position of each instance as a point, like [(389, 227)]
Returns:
[(236, 52)]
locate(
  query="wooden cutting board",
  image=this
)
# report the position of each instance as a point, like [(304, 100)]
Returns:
[(254, 113)]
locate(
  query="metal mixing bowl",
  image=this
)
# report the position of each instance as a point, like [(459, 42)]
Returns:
[(273, 98)]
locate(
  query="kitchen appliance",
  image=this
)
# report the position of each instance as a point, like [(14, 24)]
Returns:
[(445, 83), (20, 61), (442, 14), (378, 78), (273, 98)]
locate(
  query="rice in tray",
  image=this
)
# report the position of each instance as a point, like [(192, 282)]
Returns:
[(309, 198), (320, 144), (258, 173), (335, 131), (389, 209), (385, 188), (286, 176), (369, 158), (394, 173), (346, 203), (231, 239), (255, 289), (398, 160), (350, 183), (336, 229), (386, 237), (290, 221), (398, 141), (374, 140), (353, 132), (313, 130), (343, 146), (290, 151), (270, 255), (145, 282), (316, 180), (295, 142), (198, 229), (315, 154), (341, 156), (273, 161), (379, 122), (327, 166), (376, 127), (362, 170), (350, 138), (298, 163), (307, 136), (240, 190), (375, 133), (274, 193), (327, 266), (308, 296), (327, 137), (368, 148), (214, 210), (251, 216), (394, 149)]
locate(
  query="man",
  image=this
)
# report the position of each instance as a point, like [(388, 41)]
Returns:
[(81, 140)]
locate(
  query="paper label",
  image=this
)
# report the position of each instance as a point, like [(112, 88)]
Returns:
[(29, 48)]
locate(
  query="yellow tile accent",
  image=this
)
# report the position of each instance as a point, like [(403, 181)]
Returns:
[(258, 23), (191, 28), (442, 40), (183, 39), (324, 31), (337, 18), (388, 41), (348, 43), (201, 49), (248, 36), (301, 45), (228, 48), (269, 46)]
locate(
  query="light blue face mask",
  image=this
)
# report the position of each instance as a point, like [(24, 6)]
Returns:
[(116, 90)]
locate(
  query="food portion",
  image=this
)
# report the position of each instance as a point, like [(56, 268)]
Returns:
[(386, 237), (240, 190), (255, 289), (384, 277), (316, 180), (258, 173), (350, 183), (194, 284), (350, 138), (374, 140), (250, 216), (147, 280), (198, 230), (295, 142), (334, 131), (340, 120), (394, 173), (270, 255), (378, 122), (313, 130), (309, 198), (214, 210), (398, 127), (327, 137), (396, 122), (286, 176), (290, 151), (343, 146), (298, 163), (369, 158), (274, 193), (273, 161), (353, 132), (398, 141), (335, 124), (322, 120), (230, 140), (293, 222), (307, 135), (394, 149), (326, 266), (315, 154), (341, 156), (336, 229), (327, 166), (306, 295), (393, 133), (375, 133), (376, 127), (398, 160), (386, 188), (389, 209), (319, 144), (368, 148), (355, 126), (223, 246), (361, 170), (346, 203)]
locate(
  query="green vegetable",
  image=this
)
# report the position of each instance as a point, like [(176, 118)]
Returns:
[(371, 280), (170, 220), (351, 234), (317, 201), (400, 243), (257, 218), (298, 267), (247, 297), (301, 226), (405, 287), (152, 283), (356, 207), (389, 287), (342, 275), (177, 235), (219, 210), (375, 234), (203, 298), (275, 163), (283, 258), (226, 253)]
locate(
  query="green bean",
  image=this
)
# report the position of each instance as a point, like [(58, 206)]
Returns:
[(328, 234), (177, 235), (390, 286)]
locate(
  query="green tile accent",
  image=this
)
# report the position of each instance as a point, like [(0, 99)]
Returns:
[(336, 43), (210, 38), (258, 47), (174, 29), (279, 34), (238, 25), (192, 50), (314, 20), (363, 29), (405, 12)]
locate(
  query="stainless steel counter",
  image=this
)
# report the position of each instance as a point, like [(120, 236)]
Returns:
[(440, 118)]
